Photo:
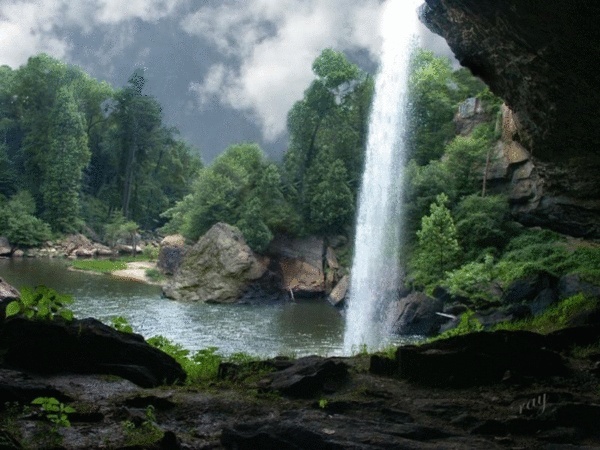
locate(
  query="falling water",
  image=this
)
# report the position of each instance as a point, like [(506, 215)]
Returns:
[(375, 271)]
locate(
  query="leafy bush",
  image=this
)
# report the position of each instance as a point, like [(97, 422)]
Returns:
[(41, 303), (18, 223), (154, 275), (531, 252), (472, 279)]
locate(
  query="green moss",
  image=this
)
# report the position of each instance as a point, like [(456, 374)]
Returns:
[(554, 318)]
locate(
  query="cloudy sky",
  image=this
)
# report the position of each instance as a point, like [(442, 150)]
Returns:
[(225, 71)]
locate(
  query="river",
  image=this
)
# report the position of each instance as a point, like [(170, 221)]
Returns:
[(291, 328)]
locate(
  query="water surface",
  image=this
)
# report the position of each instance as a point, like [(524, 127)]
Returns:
[(290, 328)]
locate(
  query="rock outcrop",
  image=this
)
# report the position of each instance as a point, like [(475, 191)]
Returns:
[(5, 248), (536, 56), (170, 255), (300, 262), (85, 346), (416, 314), (219, 268)]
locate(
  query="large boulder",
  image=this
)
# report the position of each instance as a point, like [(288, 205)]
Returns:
[(340, 291), (300, 262), (171, 253), (219, 268), (417, 314), (85, 346)]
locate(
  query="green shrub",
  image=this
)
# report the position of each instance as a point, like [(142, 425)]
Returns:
[(55, 412), (585, 261), (472, 279)]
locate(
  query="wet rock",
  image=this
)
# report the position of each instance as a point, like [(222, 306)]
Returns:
[(527, 289), (570, 285), (307, 377), (19, 387), (478, 358), (338, 294), (218, 269), (171, 253), (416, 314), (269, 436), (85, 346)]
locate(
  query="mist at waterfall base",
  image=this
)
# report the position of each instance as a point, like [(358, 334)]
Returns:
[(375, 267)]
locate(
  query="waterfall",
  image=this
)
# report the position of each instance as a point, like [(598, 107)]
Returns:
[(375, 266)]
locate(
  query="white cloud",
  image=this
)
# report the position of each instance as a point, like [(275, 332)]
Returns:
[(270, 46), (29, 27)]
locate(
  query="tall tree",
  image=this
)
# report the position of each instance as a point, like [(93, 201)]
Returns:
[(67, 156), (438, 250)]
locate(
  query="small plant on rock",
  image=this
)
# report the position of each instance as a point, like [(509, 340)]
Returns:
[(54, 411), (41, 303), (120, 323)]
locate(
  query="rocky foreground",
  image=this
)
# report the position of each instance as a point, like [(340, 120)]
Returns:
[(515, 390)]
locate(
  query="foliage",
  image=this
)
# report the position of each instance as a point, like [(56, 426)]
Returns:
[(328, 130), (554, 318), (472, 280), (467, 324), (119, 228), (531, 252), (56, 412), (99, 265), (41, 303), (438, 250), (483, 223), (150, 252), (19, 224), (120, 323), (68, 154), (82, 148), (240, 188)]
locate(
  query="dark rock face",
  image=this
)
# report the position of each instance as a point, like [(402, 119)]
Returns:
[(85, 346), (478, 358), (536, 56)]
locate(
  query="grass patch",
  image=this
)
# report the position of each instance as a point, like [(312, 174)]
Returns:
[(99, 265), (555, 317), (585, 352)]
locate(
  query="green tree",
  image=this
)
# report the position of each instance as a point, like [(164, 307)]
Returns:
[(67, 156), (332, 203), (255, 231), (329, 123), (19, 225), (483, 224), (438, 250)]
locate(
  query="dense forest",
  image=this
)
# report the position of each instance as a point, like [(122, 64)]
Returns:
[(77, 155)]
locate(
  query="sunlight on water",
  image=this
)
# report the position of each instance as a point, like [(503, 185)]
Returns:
[(375, 265)]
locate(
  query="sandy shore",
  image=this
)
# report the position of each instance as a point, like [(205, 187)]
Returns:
[(136, 271)]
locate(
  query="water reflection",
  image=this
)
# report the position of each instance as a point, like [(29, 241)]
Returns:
[(299, 328)]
